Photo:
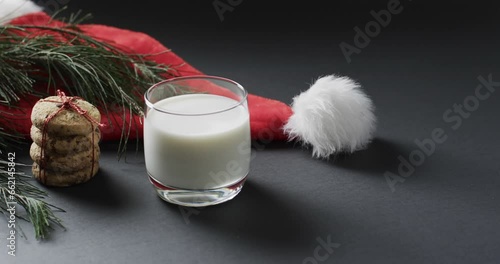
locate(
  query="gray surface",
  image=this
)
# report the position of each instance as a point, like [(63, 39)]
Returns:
[(424, 62)]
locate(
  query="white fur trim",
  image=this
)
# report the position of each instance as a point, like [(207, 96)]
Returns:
[(334, 115), (10, 9)]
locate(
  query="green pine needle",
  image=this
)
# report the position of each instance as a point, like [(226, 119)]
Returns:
[(28, 196), (96, 71)]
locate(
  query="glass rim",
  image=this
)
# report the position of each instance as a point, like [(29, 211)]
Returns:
[(195, 77)]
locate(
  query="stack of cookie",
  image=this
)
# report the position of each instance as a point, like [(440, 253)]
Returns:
[(66, 137)]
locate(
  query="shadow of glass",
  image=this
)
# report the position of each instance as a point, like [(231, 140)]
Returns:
[(259, 217)]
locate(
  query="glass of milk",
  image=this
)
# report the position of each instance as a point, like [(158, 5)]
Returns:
[(197, 139)]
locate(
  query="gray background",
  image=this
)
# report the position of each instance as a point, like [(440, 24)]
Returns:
[(426, 60)]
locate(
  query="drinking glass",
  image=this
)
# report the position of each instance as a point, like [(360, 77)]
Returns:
[(197, 139)]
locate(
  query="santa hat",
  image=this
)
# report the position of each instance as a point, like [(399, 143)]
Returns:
[(333, 115)]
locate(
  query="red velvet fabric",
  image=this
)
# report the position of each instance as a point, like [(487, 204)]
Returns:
[(267, 116)]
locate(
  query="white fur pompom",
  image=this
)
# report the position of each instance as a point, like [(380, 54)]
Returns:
[(10, 9), (334, 115)]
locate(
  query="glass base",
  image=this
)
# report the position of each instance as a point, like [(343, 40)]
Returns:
[(197, 198)]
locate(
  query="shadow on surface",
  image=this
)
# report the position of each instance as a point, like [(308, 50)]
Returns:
[(273, 145), (260, 218), (381, 155), (133, 154), (100, 191)]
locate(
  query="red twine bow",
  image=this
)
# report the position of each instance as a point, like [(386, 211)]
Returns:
[(67, 102)]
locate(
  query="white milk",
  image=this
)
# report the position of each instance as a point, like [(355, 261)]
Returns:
[(197, 152)]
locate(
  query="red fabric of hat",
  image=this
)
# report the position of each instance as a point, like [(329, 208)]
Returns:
[(333, 115), (267, 116)]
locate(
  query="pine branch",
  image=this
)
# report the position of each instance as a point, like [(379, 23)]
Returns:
[(15, 189), (94, 70)]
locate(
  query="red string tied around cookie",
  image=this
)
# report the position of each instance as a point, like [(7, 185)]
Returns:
[(66, 103)]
